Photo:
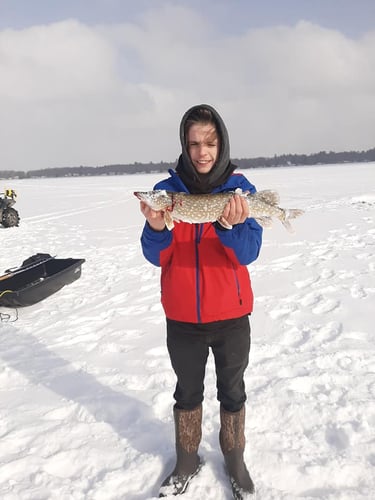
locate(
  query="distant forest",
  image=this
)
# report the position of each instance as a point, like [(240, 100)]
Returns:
[(287, 160)]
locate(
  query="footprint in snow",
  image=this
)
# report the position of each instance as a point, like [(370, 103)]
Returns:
[(326, 306), (282, 311), (307, 282), (337, 438), (346, 363), (328, 332), (357, 292)]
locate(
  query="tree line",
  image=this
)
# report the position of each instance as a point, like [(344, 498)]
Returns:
[(321, 158)]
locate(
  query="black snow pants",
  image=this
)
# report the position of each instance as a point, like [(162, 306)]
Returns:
[(188, 346)]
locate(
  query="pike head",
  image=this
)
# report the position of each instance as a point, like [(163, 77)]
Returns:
[(157, 200)]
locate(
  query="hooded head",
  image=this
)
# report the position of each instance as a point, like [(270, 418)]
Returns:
[(197, 182)]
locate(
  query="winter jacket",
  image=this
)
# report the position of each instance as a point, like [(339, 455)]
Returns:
[(204, 275)]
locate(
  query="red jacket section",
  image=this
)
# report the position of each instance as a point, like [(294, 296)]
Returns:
[(201, 280)]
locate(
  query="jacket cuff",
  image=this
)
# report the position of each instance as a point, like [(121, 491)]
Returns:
[(220, 227), (154, 230)]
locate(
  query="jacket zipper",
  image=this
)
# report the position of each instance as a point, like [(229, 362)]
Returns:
[(198, 236), (237, 285)]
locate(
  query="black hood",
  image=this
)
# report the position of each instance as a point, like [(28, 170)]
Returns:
[(220, 172)]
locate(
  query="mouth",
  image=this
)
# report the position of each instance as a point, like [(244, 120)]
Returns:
[(203, 163)]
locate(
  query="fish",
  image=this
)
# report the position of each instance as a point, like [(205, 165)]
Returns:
[(201, 208)]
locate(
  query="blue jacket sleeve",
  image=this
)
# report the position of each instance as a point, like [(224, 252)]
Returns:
[(244, 239), (153, 242)]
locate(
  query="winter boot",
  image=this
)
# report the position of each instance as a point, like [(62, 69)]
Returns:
[(188, 429), (232, 442)]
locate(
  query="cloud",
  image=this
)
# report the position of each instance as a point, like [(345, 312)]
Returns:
[(73, 94)]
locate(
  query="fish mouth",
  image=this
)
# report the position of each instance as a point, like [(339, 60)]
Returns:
[(138, 195)]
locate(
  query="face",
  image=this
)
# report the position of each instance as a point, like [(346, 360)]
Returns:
[(203, 146)]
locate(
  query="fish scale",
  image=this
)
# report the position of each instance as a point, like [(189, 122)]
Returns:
[(201, 208)]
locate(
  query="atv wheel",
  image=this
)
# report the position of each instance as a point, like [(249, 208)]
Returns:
[(10, 217)]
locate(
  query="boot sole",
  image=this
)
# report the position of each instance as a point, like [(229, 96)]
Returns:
[(185, 486)]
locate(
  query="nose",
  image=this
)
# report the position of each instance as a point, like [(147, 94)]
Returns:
[(202, 150)]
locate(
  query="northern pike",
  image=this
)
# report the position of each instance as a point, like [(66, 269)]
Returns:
[(200, 208)]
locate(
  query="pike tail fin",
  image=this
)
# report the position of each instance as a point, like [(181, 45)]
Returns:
[(291, 213)]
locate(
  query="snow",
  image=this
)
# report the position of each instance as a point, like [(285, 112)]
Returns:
[(85, 379)]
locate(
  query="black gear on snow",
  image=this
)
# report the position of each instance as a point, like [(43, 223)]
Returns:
[(10, 217)]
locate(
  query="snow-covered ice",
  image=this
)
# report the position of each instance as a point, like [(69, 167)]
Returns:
[(85, 380)]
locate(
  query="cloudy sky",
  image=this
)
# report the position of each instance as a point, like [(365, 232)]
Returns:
[(95, 82)]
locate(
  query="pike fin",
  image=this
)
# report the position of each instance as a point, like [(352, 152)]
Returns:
[(168, 219), (290, 213), (268, 196)]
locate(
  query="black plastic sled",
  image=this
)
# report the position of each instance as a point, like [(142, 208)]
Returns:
[(39, 277)]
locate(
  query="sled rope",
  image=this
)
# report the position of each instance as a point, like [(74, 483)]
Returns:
[(5, 317)]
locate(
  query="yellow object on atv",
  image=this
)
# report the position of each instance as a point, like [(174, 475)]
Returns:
[(10, 193)]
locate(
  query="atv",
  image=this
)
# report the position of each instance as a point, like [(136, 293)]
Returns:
[(8, 216)]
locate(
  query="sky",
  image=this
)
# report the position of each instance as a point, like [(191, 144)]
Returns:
[(107, 81), (86, 383)]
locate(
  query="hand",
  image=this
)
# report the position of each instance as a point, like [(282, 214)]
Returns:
[(154, 217), (236, 211)]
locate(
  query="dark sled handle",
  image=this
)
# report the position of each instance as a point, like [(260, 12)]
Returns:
[(15, 270)]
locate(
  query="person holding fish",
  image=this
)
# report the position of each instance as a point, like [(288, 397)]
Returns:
[(206, 295)]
